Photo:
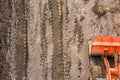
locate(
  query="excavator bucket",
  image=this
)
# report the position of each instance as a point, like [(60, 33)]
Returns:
[(104, 45), (107, 46)]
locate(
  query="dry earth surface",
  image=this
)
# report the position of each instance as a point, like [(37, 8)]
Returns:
[(48, 39)]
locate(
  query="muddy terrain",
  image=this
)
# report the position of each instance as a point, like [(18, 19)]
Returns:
[(48, 39)]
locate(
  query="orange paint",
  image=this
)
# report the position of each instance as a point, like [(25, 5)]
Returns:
[(107, 46)]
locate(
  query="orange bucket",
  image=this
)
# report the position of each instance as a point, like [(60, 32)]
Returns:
[(104, 45)]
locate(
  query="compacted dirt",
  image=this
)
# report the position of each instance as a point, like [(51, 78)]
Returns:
[(48, 39)]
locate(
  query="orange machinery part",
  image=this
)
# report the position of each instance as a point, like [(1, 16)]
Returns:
[(113, 71), (110, 71), (105, 45)]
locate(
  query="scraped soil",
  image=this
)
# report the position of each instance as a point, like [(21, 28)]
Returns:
[(48, 39)]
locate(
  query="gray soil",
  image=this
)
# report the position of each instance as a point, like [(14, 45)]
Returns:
[(48, 39)]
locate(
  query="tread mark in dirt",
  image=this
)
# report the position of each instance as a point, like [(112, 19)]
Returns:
[(78, 31), (4, 23), (66, 41), (43, 55), (20, 39), (57, 58)]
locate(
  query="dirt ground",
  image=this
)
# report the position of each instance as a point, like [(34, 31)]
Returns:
[(48, 39)]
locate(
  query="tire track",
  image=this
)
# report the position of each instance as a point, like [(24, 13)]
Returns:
[(57, 58), (66, 40), (78, 31), (43, 55), (4, 23), (20, 38)]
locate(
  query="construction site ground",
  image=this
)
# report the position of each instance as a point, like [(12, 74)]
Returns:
[(48, 39)]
